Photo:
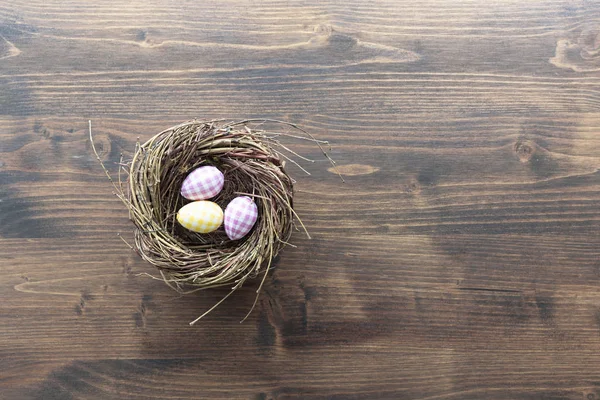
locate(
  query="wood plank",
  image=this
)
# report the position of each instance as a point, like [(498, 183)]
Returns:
[(512, 184)]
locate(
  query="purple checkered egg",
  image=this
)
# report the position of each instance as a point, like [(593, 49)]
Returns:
[(202, 183), (240, 216)]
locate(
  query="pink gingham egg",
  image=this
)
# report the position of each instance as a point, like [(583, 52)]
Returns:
[(202, 183), (240, 216)]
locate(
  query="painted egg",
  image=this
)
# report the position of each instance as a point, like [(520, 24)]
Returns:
[(202, 183), (200, 216), (240, 216)]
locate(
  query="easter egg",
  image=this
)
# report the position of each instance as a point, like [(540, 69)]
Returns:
[(240, 217), (202, 183), (200, 216)]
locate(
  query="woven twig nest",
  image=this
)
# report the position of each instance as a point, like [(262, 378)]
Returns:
[(252, 161)]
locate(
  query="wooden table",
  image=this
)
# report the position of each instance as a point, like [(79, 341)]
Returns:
[(460, 260)]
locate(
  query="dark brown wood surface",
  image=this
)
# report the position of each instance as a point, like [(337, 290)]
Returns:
[(460, 260)]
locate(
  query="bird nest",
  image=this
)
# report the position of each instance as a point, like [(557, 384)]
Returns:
[(252, 160)]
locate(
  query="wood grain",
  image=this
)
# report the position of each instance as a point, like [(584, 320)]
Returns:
[(460, 260)]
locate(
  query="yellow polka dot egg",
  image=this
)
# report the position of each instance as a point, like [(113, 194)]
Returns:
[(200, 216)]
